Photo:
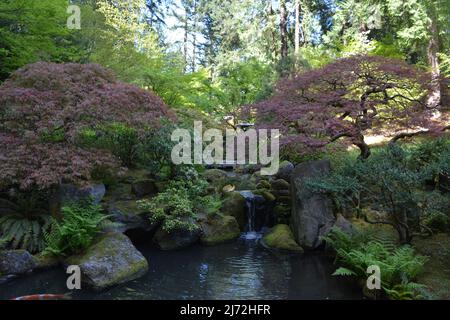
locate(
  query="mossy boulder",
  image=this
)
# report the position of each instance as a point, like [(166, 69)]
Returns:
[(256, 177), (281, 237), (280, 184), (144, 187), (235, 205), (16, 262), (219, 229), (119, 191), (177, 239), (46, 261), (213, 175), (127, 216), (263, 184), (268, 196), (110, 261)]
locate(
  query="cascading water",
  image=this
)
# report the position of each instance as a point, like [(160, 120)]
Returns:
[(252, 200)]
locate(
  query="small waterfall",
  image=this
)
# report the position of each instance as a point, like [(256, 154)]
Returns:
[(252, 201)]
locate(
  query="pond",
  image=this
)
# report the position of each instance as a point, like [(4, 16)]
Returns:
[(242, 269)]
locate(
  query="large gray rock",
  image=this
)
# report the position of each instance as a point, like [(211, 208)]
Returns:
[(285, 170), (70, 192), (110, 261), (67, 193), (343, 224), (176, 239), (16, 262), (127, 216), (312, 215)]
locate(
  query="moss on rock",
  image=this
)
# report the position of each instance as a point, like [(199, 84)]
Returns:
[(235, 205), (110, 261), (219, 229), (281, 237), (266, 194)]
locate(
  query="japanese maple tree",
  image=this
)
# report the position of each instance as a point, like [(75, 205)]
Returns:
[(43, 109), (348, 99)]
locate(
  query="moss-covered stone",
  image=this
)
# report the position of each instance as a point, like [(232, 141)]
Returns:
[(285, 199), (16, 262), (177, 239), (219, 229), (280, 184), (212, 175), (266, 194), (46, 261), (126, 215), (263, 184), (235, 205), (110, 261), (119, 191), (144, 187), (281, 237), (257, 177)]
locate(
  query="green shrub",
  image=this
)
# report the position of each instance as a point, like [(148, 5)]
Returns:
[(121, 140), (176, 208), (399, 266), (80, 223), (391, 182)]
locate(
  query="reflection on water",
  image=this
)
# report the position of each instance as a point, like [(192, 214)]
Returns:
[(239, 270)]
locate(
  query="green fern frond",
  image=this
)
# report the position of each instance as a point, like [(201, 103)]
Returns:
[(344, 272)]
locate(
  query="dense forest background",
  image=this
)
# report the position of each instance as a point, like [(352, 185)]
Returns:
[(212, 56)]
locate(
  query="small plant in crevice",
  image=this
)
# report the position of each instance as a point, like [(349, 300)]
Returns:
[(80, 224)]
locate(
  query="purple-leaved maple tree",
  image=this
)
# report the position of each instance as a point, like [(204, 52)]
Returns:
[(348, 99), (43, 99)]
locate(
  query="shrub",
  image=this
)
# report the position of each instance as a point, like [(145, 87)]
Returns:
[(45, 108), (398, 267), (176, 207), (80, 223), (389, 182)]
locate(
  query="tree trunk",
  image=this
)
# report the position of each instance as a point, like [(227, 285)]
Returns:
[(363, 147), (283, 29), (185, 42), (194, 41), (297, 26), (434, 100)]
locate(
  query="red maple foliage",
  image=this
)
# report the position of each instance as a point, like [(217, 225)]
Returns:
[(63, 99), (347, 99)]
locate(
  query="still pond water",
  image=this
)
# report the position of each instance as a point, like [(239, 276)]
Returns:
[(239, 270)]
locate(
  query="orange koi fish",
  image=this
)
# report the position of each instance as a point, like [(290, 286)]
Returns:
[(65, 296)]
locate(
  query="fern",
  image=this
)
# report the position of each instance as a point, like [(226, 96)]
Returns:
[(344, 272), (398, 265), (80, 224), (19, 232)]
